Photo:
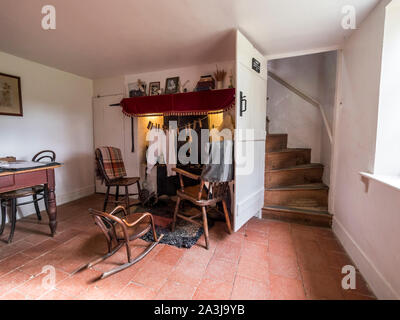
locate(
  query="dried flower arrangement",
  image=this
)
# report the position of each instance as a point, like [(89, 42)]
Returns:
[(219, 75)]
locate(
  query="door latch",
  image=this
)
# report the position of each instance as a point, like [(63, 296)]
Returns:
[(243, 104)]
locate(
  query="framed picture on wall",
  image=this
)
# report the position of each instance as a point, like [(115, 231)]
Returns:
[(154, 87), (171, 85), (137, 89), (10, 95)]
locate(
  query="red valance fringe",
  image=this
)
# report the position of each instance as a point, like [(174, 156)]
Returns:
[(190, 103)]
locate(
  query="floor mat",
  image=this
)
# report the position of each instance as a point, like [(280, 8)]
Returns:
[(186, 234)]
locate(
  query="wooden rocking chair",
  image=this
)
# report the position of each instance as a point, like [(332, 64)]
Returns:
[(122, 231), (203, 198)]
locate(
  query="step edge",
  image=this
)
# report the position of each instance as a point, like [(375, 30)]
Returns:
[(294, 210), (277, 135), (288, 150), (301, 187), (300, 167)]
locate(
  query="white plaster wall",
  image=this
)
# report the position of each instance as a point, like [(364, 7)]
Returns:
[(106, 90), (367, 221), (387, 158), (315, 75), (109, 86), (57, 110), (290, 114), (327, 96)]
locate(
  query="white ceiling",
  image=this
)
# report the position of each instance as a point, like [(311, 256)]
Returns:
[(101, 38)]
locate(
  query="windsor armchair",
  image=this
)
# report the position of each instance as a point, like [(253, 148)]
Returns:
[(203, 198)]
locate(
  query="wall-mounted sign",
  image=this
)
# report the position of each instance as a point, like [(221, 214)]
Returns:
[(256, 65)]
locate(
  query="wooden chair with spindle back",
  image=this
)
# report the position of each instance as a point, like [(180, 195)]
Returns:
[(199, 196), (37, 193)]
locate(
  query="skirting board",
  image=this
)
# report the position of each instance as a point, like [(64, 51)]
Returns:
[(377, 282), (75, 195)]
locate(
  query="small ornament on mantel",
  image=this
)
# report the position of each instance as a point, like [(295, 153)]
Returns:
[(142, 87), (219, 76), (137, 89), (231, 80), (182, 87)]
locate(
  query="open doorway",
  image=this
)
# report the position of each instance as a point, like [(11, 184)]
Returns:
[(300, 111)]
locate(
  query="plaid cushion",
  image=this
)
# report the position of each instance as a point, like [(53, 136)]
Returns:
[(112, 162)]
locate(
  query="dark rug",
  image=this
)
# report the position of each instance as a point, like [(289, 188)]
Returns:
[(186, 234)]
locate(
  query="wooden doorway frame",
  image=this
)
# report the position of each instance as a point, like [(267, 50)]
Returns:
[(336, 111)]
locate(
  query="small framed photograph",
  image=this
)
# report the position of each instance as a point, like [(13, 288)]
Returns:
[(137, 89), (171, 85), (154, 87), (10, 95)]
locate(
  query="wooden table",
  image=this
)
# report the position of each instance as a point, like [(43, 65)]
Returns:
[(15, 180)]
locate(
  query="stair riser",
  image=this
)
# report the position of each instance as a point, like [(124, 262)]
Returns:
[(292, 177), (275, 143), (287, 159), (297, 198), (298, 217)]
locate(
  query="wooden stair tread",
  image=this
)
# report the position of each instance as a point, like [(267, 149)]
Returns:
[(308, 186), (310, 210), (277, 135), (307, 216), (323, 210), (289, 150), (294, 190), (298, 167)]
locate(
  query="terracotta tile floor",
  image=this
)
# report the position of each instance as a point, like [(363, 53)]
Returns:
[(266, 259)]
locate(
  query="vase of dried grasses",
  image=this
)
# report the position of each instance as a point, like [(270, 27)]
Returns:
[(219, 76)]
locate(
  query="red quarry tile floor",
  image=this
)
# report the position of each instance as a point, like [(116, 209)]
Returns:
[(265, 259)]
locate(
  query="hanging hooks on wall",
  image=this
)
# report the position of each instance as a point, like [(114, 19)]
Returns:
[(187, 126)]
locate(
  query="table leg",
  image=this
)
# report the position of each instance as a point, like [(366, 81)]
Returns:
[(52, 212)]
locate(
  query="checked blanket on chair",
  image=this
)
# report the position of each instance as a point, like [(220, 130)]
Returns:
[(112, 162)]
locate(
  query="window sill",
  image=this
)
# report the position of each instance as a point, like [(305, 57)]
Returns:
[(391, 181)]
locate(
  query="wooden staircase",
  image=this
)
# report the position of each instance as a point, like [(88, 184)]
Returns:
[(293, 186)]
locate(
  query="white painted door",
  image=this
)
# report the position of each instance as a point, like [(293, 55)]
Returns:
[(108, 127), (250, 132)]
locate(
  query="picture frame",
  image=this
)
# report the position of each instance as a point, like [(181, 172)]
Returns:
[(154, 87), (137, 89), (171, 85), (10, 95)]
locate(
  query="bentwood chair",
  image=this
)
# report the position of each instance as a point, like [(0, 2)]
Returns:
[(121, 231), (203, 198), (37, 193), (115, 181)]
